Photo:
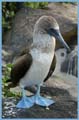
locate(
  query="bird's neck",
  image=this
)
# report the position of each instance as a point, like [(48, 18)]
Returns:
[(44, 43)]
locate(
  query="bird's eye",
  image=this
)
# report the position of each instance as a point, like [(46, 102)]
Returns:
[(53, 31), (62, 54)]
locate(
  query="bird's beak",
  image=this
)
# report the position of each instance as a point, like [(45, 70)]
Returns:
[(58, 36), (62, 41)]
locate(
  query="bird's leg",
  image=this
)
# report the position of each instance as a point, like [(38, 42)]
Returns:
[(25, 102), (38, 99), (23, 93), (38, 90)]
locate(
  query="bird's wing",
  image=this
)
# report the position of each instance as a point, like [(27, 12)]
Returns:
[(52, 68), (20, 68)]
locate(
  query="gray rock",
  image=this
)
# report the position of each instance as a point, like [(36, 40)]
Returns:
[(70, 64), (20, 37), (61, 109)]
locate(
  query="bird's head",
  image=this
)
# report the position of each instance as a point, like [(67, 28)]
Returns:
[(48, 25)]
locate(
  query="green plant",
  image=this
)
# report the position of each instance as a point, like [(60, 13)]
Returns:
[(8, 12), (36, 4), (6, 75)]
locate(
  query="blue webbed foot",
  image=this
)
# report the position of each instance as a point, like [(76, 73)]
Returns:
[(42, 101), (25, 102)]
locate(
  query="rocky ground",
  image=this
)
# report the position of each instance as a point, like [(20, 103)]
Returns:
[(62, 91), (61, 87), (61, 109)]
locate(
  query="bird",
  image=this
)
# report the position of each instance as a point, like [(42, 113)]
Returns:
[(33, 67)]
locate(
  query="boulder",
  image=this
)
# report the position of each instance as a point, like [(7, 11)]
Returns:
[(70, 64), (20, 36), (67, 63)]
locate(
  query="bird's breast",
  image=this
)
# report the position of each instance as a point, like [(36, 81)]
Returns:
[(38, 70), (43, 58)]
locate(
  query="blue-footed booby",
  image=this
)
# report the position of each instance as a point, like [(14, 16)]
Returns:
[(33, 67)]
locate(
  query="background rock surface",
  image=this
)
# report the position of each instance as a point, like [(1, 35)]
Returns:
[(20, 37)]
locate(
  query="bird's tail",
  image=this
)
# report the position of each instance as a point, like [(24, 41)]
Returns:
[(10, 84), (9, 80)]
